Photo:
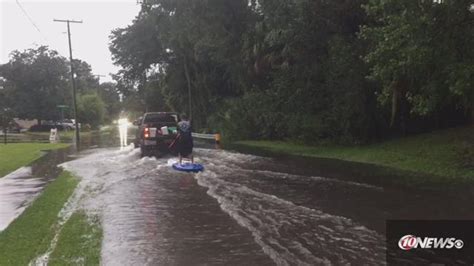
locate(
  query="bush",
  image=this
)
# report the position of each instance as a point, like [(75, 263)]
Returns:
[(91, 110)]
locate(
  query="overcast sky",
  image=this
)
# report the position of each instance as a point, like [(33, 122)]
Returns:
[(89, 39)]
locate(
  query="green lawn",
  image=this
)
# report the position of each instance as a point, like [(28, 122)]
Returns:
[(31, 233), (16, 155), (79, 242), (447, 155)]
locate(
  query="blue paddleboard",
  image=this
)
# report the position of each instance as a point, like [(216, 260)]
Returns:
[(188, 167)]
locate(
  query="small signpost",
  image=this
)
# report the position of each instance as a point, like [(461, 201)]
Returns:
[(54, 135), (62, 108)]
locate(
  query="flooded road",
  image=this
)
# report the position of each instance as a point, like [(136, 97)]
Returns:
[(232, 213), (21, 187), (243, 209)]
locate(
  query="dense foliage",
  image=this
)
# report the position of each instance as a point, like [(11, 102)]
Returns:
[(344, 71), (311, 70), (421, 54), (36, 81), (90, 109)]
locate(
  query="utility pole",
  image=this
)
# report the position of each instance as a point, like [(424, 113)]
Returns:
[(72, 75)]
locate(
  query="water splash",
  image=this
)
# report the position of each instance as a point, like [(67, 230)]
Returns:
[(292, 234)]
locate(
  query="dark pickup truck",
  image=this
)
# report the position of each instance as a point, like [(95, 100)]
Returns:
[(156, 131)]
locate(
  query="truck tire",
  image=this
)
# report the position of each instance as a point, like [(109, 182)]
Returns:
[(144, 152)]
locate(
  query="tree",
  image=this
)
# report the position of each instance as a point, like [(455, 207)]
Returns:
[(194, 48), (110, 96), (35, 82), (85, 81), (307, 71), (297, 69), (91, 110), (422, 56)]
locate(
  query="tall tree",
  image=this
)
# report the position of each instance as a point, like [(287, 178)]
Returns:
[(195, 47), (86, 82), (422, 55), (297, 69), (36, 81), (91, 110), (110, 96)]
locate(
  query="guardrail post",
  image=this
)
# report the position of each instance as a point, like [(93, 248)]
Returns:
[(217, 138)]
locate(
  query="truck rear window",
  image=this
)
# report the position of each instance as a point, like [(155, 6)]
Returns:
[(161, 118)]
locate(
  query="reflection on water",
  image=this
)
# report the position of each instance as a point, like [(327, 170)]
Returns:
[(123, 131), (19, 188)]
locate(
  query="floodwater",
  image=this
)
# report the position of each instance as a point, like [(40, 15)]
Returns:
[(12, 204), (19, 188), (243, 209)]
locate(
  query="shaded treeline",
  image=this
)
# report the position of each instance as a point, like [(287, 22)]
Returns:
[(36, 82), (315, 70)]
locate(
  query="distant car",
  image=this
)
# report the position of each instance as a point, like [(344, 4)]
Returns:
[(156, 131), (68, 124)]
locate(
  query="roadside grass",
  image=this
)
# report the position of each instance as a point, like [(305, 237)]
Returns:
[(446, 155), (30, 234), (79, 242), (16, 155)]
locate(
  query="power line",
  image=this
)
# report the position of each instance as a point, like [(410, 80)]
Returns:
[(30, 19)]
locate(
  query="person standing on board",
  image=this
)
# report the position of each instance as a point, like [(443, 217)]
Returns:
[(185, 143)]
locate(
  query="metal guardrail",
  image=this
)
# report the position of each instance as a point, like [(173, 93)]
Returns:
[(215, 137), (204, 136)]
